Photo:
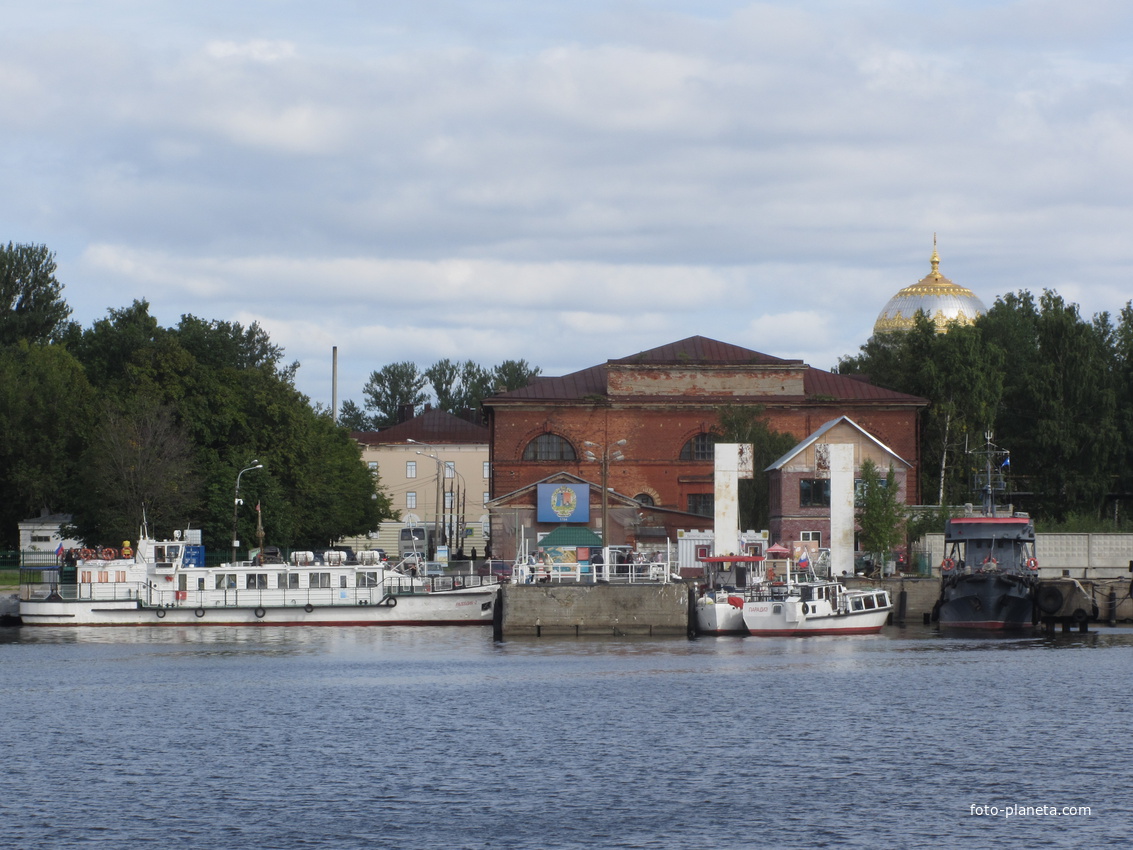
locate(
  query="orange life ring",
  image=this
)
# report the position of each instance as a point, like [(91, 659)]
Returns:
[(947, 564), (109, 554), (86, 554), (991, 561), (1032, 563), (127, 552)]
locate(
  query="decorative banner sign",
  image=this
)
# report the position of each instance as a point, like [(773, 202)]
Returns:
[(563, 503)]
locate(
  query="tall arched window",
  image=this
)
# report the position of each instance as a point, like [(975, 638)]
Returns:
[(700, 447), (549, 447)]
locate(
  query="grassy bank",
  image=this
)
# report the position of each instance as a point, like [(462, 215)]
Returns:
[(9, 581)]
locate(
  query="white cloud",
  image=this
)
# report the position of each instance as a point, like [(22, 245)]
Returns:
[(486, 182)]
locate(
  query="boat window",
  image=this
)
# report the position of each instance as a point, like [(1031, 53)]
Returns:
[(159, 553), (288, 581), (870, 602), (226, 581), (257, 581), (173, 552), (777, 609), (320, 579), (342, 581), (858, 604), (367, 579)]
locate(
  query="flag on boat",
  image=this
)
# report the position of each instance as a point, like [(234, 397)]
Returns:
[(1006, 462), (257, 507), (59, 551), (804, 559)]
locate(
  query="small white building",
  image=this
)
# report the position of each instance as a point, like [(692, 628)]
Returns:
[(43, 533)]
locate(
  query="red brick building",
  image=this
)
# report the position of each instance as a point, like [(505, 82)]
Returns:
[(663, 403)]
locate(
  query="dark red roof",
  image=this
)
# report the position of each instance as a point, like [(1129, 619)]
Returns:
[(817, 384), (433, 426)]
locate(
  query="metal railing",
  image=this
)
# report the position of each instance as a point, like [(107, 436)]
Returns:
[(45, 583)]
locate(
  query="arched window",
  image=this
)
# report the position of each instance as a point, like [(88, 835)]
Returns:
[(549, 447), (700, 447), (644, 499)]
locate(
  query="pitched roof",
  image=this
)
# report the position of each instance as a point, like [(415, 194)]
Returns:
[(433, 426), (817, 435), (567, 535), (591, 382)]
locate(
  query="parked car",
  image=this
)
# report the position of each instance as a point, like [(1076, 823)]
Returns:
[(500, 569)]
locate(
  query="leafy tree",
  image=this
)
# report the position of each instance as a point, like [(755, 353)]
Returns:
[(139, 465), (353, 418), (513, 375), (31, 301), (879, 514), (459, 387), (46, 405), (391, 388), (748, 424), (963, 375)]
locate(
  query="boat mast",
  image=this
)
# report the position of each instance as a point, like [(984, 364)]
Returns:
[(992, 479)]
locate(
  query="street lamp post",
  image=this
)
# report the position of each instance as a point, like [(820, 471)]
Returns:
[(236, 505), (440, 479), (609, 453)]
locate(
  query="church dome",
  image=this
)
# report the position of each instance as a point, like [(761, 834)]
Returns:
[(939, 298)]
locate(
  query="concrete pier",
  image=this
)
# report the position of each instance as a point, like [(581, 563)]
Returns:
[(535, 610)]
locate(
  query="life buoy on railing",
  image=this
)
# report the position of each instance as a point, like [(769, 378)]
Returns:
[(86, 554), (127, 552), (990, 562), (1032, 563), (947, 564), (110, 553)]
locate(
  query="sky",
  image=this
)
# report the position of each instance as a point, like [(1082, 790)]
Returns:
[(563, 182)]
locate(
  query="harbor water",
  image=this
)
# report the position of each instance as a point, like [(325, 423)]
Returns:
[(443, 738)]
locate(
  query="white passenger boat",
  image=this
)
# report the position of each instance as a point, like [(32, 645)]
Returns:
[(165, 583), (720, 609), (808, 605)]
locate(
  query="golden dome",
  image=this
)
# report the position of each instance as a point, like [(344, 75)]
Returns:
[(941, 300)]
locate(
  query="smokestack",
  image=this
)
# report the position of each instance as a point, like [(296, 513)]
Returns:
[(334, 384)]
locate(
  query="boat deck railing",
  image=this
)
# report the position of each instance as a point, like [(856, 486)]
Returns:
[(150, 595), (652, 572)]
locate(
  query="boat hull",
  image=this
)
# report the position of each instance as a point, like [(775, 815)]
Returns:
[(989, 603), (720, 618), (792, 618), (456, 608)]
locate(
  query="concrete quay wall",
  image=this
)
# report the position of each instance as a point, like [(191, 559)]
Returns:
[(922, 593), (594, 609)]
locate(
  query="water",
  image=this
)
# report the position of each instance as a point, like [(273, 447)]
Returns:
[(441, 738)]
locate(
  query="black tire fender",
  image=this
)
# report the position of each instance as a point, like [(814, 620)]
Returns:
[(1049, 600)]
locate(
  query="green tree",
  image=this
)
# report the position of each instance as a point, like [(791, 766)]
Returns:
[(46, 407), (31, 298), (139, 466), (880, 515), (391, 388), (353, 418), (513, 375)]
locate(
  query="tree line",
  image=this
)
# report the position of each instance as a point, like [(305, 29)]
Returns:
[(458, 388), (126, 419), (1049, 386)]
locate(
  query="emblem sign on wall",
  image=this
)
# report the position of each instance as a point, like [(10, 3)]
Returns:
[(563, 503)]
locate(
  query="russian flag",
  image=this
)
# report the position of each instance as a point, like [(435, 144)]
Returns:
[(804, 559), (59, 551)]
